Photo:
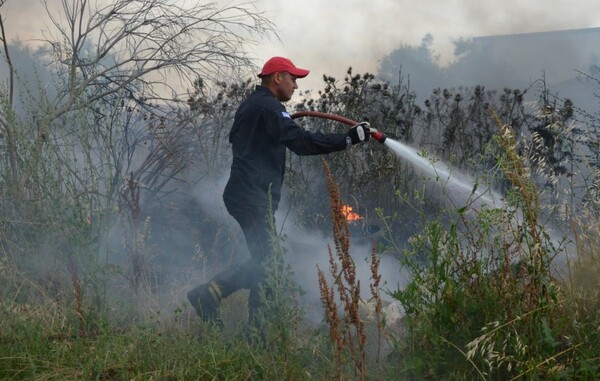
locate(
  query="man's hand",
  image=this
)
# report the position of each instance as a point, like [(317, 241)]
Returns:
[(358, 134)]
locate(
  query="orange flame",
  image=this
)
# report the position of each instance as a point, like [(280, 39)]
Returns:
[(349, 214)]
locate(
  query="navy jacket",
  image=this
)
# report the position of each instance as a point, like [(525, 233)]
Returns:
[(261, 131)]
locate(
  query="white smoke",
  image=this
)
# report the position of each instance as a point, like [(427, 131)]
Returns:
[(308, 251)]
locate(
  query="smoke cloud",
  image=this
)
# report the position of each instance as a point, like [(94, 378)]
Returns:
[(326, 37), (308, 251)]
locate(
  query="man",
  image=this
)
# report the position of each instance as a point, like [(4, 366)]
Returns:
[(262, 131)]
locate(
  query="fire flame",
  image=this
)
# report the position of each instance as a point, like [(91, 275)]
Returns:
[(349, 214)]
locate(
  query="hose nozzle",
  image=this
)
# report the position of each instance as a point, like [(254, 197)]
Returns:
[(377, 135)]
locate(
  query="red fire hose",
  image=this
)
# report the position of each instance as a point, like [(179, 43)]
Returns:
[(379, 136), (324, 115)]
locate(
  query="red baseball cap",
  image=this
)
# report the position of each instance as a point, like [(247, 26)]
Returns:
[(281, 64)]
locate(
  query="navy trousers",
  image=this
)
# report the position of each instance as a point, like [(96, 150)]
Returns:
[(251, 273)]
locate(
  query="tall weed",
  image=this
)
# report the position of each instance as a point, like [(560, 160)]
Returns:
[(483, 302)]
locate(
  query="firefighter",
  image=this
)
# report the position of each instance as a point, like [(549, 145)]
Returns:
[(261, 133)]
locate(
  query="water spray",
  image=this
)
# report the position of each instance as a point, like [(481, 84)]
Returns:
[(458, 183)]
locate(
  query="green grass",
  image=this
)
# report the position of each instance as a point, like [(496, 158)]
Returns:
[(53, 332), (181, 348)]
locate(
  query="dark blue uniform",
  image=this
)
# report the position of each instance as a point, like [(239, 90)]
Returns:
[(261, 132)]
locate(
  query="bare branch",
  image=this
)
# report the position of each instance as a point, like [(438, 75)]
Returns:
[(8, 61), (5, 117), (131, 44), (144, 50)]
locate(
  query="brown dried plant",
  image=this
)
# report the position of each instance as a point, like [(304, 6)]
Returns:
[(333, 320), (374, 287), (347, 332)]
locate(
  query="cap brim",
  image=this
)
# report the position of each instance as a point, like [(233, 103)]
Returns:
[(299, 73)]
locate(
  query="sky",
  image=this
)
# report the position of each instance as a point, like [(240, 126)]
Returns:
[(327, 36)]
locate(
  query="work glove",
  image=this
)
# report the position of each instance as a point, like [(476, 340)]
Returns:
[(358, 134)]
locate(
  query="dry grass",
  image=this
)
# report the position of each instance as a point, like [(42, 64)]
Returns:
[(347, 329)]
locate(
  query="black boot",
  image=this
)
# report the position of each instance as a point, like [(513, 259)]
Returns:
[(206, 299)]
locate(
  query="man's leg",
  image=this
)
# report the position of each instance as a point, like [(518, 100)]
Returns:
[(255, 225), (207, 297), (248, 275)]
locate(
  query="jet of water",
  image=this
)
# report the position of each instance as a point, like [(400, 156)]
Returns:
[(459, 184)]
